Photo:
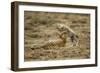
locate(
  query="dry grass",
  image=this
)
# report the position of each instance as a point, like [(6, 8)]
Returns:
[(41, 26)]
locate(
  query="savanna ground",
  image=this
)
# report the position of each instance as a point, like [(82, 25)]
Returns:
[(41, 26)]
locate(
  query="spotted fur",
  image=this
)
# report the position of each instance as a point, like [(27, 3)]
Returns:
[(73, 36), (55, 43)]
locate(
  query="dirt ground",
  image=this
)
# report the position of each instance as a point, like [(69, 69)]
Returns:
[(41, 26)]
